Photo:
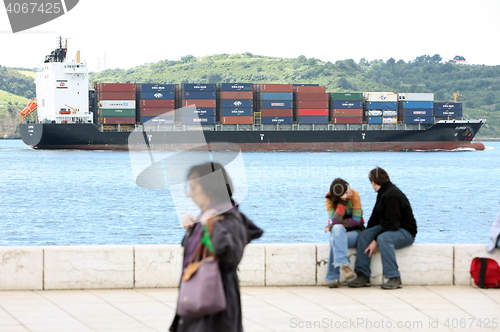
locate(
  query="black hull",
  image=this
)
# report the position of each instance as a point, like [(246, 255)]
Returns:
[(441, 136)]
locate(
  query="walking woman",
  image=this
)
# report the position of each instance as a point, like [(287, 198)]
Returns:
[(345, 221), (211, 190)]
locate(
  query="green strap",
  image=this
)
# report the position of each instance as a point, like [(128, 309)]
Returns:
[(205, 239)]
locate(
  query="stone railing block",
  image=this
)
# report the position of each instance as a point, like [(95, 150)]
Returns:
[(157, 265), (464, 253), (426, 264), (252, 268), (290, 264), (21, 268)]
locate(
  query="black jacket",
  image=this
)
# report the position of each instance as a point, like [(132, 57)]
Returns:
[(392, 210)]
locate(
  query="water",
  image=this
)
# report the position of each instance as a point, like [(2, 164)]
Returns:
[(71, 197)]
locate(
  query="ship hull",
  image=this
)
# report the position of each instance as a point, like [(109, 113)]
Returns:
[(441, 136)]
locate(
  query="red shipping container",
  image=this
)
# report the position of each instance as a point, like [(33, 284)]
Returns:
[(118, 120), (116, 95), (155, 111), (117, 87), (236, 120), (276, 88), (348, 120), (157, 103), (352, 112), (236, 95), (200, 103), (309, 89), (311, 104), (274, 112), (312, 96), (312, 111)]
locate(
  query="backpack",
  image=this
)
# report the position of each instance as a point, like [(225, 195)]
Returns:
[(485, 272)]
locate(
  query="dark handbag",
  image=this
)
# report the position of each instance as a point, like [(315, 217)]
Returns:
[(201, 291)]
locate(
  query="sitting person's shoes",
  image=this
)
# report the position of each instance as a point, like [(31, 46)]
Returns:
[(360, 281), (333, 284), (348, 273), (392, 283)]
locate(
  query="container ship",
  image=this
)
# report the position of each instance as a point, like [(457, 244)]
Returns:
[(256, 117)]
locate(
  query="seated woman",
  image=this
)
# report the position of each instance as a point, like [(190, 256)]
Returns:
[(494, 235), (345, 221)]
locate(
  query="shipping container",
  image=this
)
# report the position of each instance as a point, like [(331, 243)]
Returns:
[(347, 96), (275, 87), (236, 95), (124, 112), (347, 120), (311, 104), (157, 95), (415, 96), (277, 112), (236, 87), (356, 104), (199, 120), (345, 112), (236, 119), (200, 103), (309, 89), (381, 105), (312, 119), (389, 113), (199, 95), (157, 119), (118, 120), (199, 87), (204, 111), (416, 104), (389, 120), (418, 119), (374, 113), (312, 96), (228, 111), (157, 103), (117, 104), (447, 113), (380, 96), (277, 120), (276, 96), (236, 103), (157, 87), (154, 111), (116, 87), (312, 112), (447, 106), (374, 119), (418, 112), (116, 95), (276, 104)]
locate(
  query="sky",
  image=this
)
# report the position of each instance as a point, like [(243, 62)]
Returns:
[(124, 34)]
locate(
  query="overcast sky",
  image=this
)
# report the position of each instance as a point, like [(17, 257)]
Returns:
[(124, 34)]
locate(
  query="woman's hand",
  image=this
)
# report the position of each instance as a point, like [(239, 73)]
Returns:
[(188, 221)]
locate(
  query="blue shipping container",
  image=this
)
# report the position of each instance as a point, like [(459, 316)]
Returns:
[(198, 120), (199, 87), (232, 111), (236, 87), (157, 95), (276, 96), (157, 119), (448, 106), (276, 104), (156, 87), (419, 119), (355, 104), (237, 103), (375, 119), (191, 111), (312, 119), (382, 105), (446, 113), (199, 95), (277, 120), (416, 104), (418, 112)]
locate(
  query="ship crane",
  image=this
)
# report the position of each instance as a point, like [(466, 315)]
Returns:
[(75, 110), (456, 95)]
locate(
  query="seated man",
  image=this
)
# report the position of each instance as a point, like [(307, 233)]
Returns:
[(391, 226)]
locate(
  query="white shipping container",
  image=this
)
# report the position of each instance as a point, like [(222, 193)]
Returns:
[(390, 113), (374, 113), (416, 96), (380, 96), (114, 104), (389, 120)]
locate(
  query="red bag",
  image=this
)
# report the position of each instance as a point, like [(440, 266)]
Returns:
[(485, 272)]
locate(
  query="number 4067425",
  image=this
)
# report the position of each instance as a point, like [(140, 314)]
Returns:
[(33, 7)]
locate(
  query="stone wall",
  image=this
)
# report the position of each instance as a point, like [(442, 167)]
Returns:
[(152, 266)]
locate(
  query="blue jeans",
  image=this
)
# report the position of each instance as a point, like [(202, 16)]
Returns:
[(387, 243), (340, 240)]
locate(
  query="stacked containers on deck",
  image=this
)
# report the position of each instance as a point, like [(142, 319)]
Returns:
[(346, 108), (116, 103), (416, 108), (311, 104), (236, 103), (381, 107), (275, 103), (156, 103), (204, 99), (447, 110)]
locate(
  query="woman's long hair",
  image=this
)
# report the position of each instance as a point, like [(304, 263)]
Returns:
[(337, 189)]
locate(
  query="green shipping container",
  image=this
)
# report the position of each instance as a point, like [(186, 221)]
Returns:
[(105, 112), (347, 96)]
